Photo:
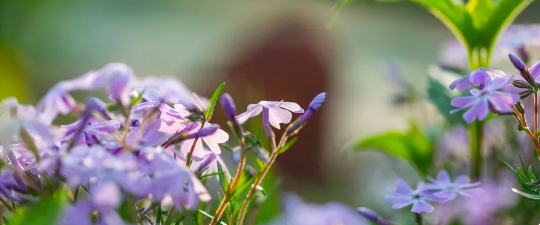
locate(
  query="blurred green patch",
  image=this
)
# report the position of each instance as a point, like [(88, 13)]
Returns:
[(13, 81)]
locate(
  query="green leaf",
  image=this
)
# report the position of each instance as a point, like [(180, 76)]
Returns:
[(222, 178), (213, 102), (439, 96), (526, 195), (287, 145), (45, 212), (412, 147), (478, 24)]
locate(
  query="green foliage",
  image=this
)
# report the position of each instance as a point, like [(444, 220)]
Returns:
[(411, 146), (476, 24), (287, 145), (44, 212), (527, 179), (440, 97), (213, 101)]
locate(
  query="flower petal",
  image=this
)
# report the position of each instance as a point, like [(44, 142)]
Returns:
[(252, 110), (291, 106), (420, 206), (277, 116), (479, 111)]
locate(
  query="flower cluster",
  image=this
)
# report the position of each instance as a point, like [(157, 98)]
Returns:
[(142, 156), (441, 189)]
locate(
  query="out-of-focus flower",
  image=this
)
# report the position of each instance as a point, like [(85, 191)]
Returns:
[(116, 76), (169, 90), (403, 91), (445, 189), (298, 212), (171, 178), (404, 196), (92, 131), (486, 97), (274, 113)]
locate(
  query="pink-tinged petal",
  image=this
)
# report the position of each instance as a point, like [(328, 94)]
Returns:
[(291, 106), (463, 102), (252, 110), (480, 77), (502, 101), (535, 70), (199, 151), (398, 202), (479, 111), (213, 141), (277, 116), (420, 206), (461, 84)]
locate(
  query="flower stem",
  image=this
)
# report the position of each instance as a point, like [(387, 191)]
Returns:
[(418, 217), (535, 141), (477, 137), (230, 190), (190, 154), (535, 126)]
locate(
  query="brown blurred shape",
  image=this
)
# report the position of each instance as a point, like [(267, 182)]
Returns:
[(288, 64)]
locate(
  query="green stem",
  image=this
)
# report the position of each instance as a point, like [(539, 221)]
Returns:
[(477, 137)]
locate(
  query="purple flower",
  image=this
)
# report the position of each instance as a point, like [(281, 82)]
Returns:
[(298, 212), (404, 195), (172, 178), (116, 76), (212, 141), (486, 97), (274, 113), (167, 90), (444, 188)]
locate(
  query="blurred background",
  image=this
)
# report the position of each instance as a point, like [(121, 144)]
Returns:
[(264, 50)]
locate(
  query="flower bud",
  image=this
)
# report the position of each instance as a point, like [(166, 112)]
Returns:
[(525, 94), (516, 61), (315, 104), (521, 84), (228, 106)]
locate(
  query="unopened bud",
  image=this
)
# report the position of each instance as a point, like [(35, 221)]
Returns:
[(516, 61), (521, 84), (229, 107), (315, 104), (525, 94)]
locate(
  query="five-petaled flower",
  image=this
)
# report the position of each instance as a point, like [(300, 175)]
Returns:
[(486, 96), (404, 195), (274, 113)]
